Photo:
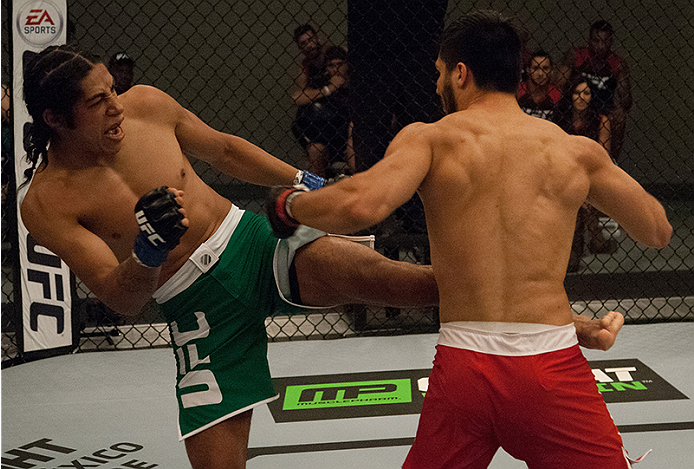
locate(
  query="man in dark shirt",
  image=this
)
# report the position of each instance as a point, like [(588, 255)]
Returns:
[(608, 73), (536, 95)]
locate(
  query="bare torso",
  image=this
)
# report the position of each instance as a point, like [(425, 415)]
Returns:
[(102, 196), (501, 198)]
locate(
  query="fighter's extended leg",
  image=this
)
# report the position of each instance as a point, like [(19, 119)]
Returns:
[(333, 271)]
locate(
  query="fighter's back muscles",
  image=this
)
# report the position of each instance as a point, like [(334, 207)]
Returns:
[(527, 188), (499, 205)]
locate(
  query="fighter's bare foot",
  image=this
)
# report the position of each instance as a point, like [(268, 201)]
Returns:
[(598, 334)]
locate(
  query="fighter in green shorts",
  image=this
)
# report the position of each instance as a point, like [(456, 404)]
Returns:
[(216, 306)]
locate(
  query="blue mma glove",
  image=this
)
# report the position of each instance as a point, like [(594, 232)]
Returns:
[(308, 179), (313, 181), (161, 226)]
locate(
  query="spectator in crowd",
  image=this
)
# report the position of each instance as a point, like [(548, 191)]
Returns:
[(9, 206), (7, 146), (536, 95), (306, 38), (312, 85), (313, 77), (122, 67), (609, 76), (323, 124), (577, 113)]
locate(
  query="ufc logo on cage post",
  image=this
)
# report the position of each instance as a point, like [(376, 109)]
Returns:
[(46, 298), (39, 23)]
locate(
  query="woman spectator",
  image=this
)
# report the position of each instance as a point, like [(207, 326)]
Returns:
[(576, 113)]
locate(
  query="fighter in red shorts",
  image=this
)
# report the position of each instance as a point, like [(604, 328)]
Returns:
[(521, 386), (501, 191)]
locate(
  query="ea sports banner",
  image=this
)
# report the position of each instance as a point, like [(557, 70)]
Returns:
[(45, 279)]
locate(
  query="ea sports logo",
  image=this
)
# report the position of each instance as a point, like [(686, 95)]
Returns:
[(40, 23)]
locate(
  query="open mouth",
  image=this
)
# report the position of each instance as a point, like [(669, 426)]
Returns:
[(115, 131)]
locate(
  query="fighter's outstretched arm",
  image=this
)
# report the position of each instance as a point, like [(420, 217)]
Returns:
[(618, 195), (368, 197), (230, 154)]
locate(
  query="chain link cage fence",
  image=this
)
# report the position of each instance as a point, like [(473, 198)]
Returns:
[(238, 65)]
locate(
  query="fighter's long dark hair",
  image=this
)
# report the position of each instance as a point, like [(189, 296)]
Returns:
[(52, 80)]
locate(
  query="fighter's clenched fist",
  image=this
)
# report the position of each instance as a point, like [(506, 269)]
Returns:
[(278, 212), (161, 226)]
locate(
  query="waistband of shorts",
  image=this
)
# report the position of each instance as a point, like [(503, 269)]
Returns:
[(202, 260), (507, 338)]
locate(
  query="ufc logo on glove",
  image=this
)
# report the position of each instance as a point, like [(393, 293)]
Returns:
[(152, 237)]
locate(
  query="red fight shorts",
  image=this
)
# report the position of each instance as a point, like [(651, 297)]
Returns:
[(529, 392)]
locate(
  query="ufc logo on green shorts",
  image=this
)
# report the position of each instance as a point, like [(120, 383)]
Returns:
[(188, 359)]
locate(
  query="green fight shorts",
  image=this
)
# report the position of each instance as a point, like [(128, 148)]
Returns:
[(216, 306)]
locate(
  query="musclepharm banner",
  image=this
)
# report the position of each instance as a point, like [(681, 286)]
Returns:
[(45, 278), (401, 392)]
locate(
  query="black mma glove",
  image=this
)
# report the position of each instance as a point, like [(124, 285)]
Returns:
[(282, 223), (160, 226)]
